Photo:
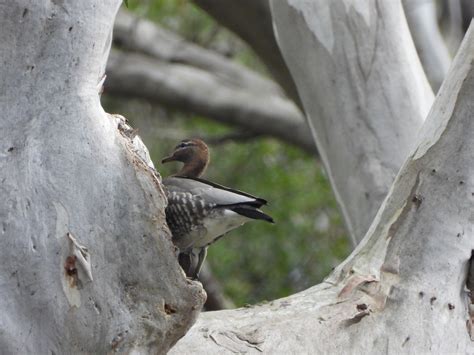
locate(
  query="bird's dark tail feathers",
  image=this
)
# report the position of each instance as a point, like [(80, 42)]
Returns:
[(250, 212)]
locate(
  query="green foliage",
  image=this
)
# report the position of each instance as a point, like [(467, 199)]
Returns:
[(263, 261), (177, 15), (197, 26)]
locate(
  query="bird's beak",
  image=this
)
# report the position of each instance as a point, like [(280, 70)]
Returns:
[(168, 159)]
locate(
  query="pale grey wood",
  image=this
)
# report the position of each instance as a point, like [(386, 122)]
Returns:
[(403, 289), (190, 89), (363, 90), (72, 184), (434, 54), (252, 21)]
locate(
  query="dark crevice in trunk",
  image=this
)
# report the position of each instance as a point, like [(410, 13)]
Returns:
[(470, 288)]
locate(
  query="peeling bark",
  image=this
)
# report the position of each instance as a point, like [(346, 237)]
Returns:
[(403, 290), (87, 264)]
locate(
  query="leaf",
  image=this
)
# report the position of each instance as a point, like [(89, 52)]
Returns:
[(126, 3)]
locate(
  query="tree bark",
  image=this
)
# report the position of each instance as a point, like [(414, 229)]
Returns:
[(430, 45), (403, 290), (252, 21), (363, 90), (467, 13), (87, 264)]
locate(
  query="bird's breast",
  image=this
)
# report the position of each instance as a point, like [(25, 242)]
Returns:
[(207, 230)]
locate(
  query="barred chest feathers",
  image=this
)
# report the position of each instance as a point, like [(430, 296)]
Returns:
[(196, 223)]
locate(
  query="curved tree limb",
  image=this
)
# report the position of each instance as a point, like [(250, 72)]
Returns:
[(169, 70), (143, 36), (191, 89)]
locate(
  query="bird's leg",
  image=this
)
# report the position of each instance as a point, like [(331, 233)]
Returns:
[(201, 258), (185, 261)]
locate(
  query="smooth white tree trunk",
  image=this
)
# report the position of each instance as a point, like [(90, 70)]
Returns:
[(403, 290), (86, 260), (363, 90), (430, 45), (251, 20)]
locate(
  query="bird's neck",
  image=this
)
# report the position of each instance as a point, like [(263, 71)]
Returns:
[(194, 168)]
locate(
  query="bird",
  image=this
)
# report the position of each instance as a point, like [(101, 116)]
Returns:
[(199, 211)]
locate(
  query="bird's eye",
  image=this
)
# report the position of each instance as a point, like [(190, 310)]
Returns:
[(183, 145)]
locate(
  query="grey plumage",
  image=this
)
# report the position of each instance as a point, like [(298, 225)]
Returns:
[(199, 212)]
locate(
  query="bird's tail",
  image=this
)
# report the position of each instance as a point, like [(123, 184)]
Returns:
[(250, 212)]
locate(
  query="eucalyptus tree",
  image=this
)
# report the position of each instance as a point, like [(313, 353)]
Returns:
[(86, 260), (87, 264)]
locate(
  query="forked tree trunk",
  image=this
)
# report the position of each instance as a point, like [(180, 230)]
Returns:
[(72, 177), (403, 290)]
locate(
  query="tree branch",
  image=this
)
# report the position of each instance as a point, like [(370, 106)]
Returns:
[(430, 45), (201, 92), (181, 75), (252, 21), (143, 36)]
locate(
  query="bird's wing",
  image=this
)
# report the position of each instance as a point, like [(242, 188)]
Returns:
[(211, 192)]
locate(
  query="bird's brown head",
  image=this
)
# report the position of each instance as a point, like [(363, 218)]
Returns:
[(194, 154)]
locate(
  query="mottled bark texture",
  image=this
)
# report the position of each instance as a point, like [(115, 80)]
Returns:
[(403, 290), (86, 261)]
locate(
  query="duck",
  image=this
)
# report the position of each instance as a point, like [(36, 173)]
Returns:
[(199, 212)]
